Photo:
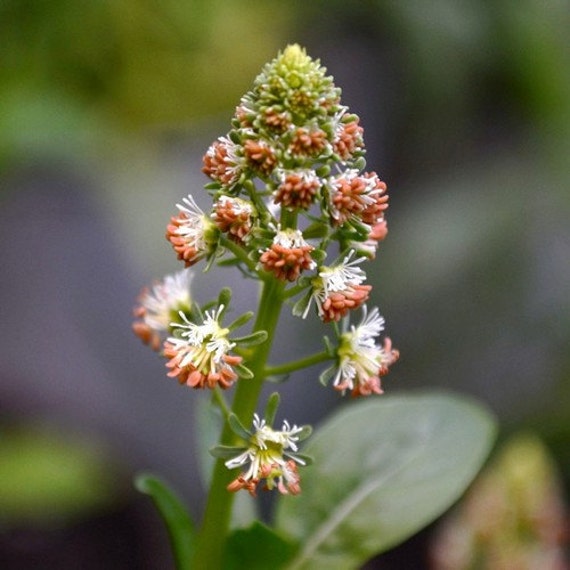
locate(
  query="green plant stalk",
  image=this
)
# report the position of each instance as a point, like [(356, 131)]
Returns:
[(219, 504), (239, 252), (305, 362)]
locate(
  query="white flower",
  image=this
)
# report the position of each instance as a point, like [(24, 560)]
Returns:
[(209, 336), (338, 289), (193, 235), (369, 327), (160, 304), (361, 361), (199, 356), (270, 455)]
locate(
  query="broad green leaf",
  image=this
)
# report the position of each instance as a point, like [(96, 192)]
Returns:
[(256, 548), (178, 524), (383, 469)]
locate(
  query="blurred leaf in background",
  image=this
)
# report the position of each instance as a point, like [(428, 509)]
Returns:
[(513, 516), (48, 478)]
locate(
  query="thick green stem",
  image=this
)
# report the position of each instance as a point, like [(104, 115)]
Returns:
[(218, 511)]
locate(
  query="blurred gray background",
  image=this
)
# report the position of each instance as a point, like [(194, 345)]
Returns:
[(105, 112)]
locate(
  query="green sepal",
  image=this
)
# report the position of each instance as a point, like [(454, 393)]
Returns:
[(319, 255), (180, 527), (234, 137), (316, 230), (323, 171), (212, 186), (301, 305), (244, 372), (360, 163), (305, 432), (230, 262), (277, 378), (362, 229), (200, 311), (241, 320), (225, 451), (224, 298), (326, 375), (237, 427), (209, 262), (329, 348), (271, 408), (251, 339)]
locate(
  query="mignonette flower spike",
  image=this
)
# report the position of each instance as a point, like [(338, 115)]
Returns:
[(360, 360), (287, 181), (199, 356), (160, 305)]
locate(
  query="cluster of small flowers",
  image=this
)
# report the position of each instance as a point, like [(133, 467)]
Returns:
[(286, 182), (290, 133)]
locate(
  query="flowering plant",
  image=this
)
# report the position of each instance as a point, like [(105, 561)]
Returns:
[(290, 193)]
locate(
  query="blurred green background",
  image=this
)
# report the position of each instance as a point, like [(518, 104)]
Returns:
[(105, 111)]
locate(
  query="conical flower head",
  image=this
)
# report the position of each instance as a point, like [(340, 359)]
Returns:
[(296, 81)]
